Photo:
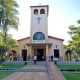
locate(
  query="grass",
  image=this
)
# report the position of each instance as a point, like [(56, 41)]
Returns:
[(11, 66), (69, 66), (5, 74), (70, 75)]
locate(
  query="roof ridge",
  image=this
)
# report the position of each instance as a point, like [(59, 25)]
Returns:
[(48, 37)]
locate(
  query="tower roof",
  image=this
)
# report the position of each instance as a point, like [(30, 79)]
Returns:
[(41, 6)]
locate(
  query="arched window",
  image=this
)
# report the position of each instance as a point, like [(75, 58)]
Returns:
[(42, 11), (35, 11), (38, 36)]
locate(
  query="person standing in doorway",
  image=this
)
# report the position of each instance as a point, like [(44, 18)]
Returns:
[(35, 59)]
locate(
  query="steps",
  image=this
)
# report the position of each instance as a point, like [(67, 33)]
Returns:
[(34, 72)]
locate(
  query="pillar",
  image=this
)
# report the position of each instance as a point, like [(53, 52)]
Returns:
[(47, 52), (30, 53)]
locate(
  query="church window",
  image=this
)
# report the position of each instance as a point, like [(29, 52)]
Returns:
[(42, 11), (38, 36), (35, 11)]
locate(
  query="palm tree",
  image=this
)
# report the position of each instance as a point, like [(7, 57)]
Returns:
[(8, 16)]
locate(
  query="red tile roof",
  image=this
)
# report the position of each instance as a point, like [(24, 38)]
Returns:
[(23, 38), (55, 38), (48, 37)]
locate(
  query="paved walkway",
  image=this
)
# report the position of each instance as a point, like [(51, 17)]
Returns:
[(52, 74), (29, 75)]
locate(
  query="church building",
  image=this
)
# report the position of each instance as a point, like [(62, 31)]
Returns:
[(39, 43)]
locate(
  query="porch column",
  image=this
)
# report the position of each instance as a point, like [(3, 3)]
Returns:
[(30, 52), (47, 52)]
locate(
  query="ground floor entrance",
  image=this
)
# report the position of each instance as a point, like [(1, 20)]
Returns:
[(24, 54), (40, 50), (68, 55), (40, 53), (56, 53)]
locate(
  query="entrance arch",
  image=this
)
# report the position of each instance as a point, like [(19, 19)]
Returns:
[(68, 55), (13, 55)]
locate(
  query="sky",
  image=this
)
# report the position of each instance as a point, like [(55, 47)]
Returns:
[(62, 13)]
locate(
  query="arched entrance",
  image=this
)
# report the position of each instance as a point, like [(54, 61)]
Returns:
[(68, 55), (13, 55)]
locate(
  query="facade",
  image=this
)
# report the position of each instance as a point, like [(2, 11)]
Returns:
[(39, 43)]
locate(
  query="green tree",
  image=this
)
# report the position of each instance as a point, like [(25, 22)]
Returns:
[(10, 41), (3, 47), (8, 16), (1, 40), (74, 43)]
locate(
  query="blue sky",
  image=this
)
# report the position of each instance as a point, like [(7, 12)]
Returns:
[(62, 13)]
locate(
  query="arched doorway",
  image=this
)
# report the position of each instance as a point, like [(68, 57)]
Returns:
[(68, 55), (13, 55), (13, 51)]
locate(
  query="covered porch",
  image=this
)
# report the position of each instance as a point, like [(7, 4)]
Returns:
[(41, 50)]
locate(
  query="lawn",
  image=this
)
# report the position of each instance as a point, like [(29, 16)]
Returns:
[(69, 66), (10, 66), (5, 74), (70, 75)]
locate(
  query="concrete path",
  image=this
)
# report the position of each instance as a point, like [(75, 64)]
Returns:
[(29, 75), (52, 74)]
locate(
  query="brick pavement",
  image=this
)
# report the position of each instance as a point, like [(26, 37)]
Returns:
[(52, 74), (29, 75)]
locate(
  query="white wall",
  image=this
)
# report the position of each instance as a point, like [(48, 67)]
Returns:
[(43, 25), (59, 44)]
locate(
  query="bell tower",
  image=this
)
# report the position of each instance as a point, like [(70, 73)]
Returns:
[(39, 24)]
